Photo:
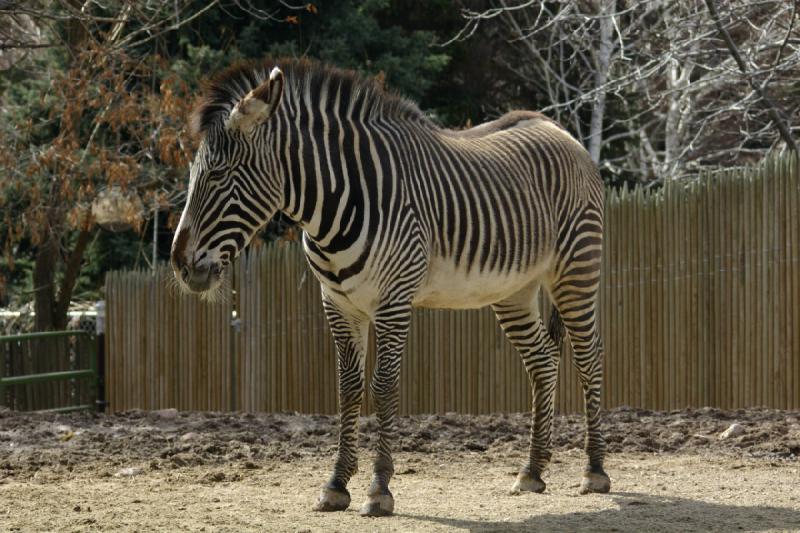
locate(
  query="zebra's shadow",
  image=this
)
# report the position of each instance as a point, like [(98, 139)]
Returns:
[(642, 512)]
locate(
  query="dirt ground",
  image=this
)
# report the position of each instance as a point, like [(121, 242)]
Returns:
[(169, 471)]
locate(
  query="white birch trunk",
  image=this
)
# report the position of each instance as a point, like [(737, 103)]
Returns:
[(602, 64)]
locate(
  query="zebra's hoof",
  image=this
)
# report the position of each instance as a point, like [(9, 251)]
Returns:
[(378, 505), (528, 483), (333, 499), (595, 480)]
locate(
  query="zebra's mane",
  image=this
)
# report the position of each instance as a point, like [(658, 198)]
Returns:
[(226, 89)]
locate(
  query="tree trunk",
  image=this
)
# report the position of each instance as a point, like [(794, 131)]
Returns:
[(71, 273), (602, 64), (51, 307), (44, 291)]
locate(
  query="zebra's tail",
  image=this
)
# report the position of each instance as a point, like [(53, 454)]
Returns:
[(556, 327)]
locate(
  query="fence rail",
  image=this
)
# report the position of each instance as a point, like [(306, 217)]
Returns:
[(700, 306), (52, 370)]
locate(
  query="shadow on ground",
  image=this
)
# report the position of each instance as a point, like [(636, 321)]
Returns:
[(643, 512)]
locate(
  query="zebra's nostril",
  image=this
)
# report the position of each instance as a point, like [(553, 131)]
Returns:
[(185, 272)]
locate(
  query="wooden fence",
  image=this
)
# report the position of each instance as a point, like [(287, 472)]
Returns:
[(700, 306)]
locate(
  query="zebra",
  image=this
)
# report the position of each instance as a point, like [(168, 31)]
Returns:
[(397, 213)]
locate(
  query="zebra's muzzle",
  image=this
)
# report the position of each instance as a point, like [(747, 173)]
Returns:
[(198, 272), (200, 278)]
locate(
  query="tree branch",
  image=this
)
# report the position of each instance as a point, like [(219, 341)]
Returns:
[(734, 51)]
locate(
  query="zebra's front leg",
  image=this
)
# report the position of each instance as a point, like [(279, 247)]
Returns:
[(350, 333), (391, 330)]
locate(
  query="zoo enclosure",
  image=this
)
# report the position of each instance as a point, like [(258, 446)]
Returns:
[(699, 306)]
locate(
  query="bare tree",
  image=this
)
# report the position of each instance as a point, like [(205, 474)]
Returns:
[(650, 86), (774, 112)]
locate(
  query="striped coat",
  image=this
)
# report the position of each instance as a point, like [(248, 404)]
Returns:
[(397, 212)]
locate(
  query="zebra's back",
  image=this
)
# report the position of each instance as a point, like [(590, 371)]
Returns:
[(497, 207)]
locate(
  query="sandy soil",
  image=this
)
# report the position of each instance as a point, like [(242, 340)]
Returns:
[(240, 472)]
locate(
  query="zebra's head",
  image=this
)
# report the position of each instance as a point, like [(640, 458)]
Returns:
[(233, 189)]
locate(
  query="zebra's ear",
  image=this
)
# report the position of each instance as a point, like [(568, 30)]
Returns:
[(258, 105)]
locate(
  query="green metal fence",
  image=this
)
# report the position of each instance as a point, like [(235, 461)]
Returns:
[(53, 371)]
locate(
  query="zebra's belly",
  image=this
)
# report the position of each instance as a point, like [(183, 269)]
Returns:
[(448, 286)]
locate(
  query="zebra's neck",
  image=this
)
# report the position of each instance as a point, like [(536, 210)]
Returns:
[(335, 157)]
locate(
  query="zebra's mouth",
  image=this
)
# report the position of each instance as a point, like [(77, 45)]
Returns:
[(201, 278)]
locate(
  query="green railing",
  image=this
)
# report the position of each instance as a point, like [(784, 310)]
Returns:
[(34, 351)]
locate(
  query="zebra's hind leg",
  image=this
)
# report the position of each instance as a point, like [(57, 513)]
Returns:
[(520, 320), (350, 334), (577, 309), (391, 330)]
